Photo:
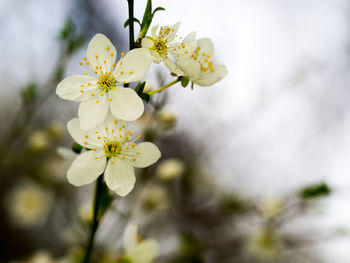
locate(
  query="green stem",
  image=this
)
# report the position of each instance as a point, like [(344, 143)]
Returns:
[(95, 220), (131, 24), (164, 87)]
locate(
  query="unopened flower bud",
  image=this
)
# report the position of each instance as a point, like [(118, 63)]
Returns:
[(38, 141), (170, 169)]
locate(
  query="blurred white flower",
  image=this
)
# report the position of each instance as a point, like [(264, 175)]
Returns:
[(29, 204), (199, 67), (271, 207), (112, 152), (154, 197), (170, 169), (38, 141), (265, 245), (163, 44), (167, 116), (102, 90), (136, 249)]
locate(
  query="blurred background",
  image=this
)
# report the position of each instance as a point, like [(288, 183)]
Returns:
[(253, 169)]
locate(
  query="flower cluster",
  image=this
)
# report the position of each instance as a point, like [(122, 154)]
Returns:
[(106, 104)]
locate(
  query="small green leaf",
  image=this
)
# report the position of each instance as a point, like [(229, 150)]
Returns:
[(77, 148), (159, 8), (127, 22), (185, 81), (145, 97), (315, 191), (139, 88)]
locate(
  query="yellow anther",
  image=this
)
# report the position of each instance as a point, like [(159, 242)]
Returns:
[(123, 81), (212, 69), (102, 94), (134, 159), (86, 136), (112, 130), (96, 57), (110, 99), (106, 128), (130, 72), (210, 64), (122, 54), (100, 67), (96, 158), (87, 63), (133, 145), (113, 65), (94, 149), (115, 121), (97, 101), (85, 58), (96, 67), (81, 91), (120, 129), (121, 72), (138, 153), (139, 137), (203, 54), (186, 52), (92, 94), (96, 72), (123, 156), (98, 137), (89, 84), (208, 56), (104, 61), (107, 48), (85, 143), (112, 162), (82, 85), (112, 54), (206, 60), (80, 63), (85, 73)]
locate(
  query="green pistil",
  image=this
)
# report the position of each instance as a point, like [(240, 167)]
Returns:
[(107, 82), (112, 149), (161, 46)]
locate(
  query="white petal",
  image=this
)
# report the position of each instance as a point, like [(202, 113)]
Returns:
[(76, 87), (126, 104), (206, 45), (87, 167), (85, 139), (154, 31), (93, 112), (173, 31), (190, 67), (172, 67), (120, 176), (130, 238), (133, 66), (145, 154), (209, 78), (106, 53), (147, 42), (190, 38), (145, 252)]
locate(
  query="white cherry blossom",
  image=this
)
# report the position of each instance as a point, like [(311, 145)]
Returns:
[(136, 249), (163, 46), (112, 151), (199, 67), (101, 90)]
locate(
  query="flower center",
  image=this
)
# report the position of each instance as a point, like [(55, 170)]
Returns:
[(160, 46), (107, 82), (112, 149)]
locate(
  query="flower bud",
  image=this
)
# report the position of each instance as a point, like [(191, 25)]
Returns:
[(169, 169), (167, 117), (38, 141)]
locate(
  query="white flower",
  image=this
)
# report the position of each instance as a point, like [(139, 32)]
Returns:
[(102, 90), (112, 152), (29, 204), (199, 67), (136, 251), (163, 44)]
